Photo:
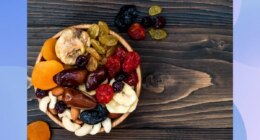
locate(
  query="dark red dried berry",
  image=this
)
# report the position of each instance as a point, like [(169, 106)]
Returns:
[(41, 93), (121, 53), (136, 31), (131, 62), (132, 79), (113, 66), (104, 93), (159, 22)]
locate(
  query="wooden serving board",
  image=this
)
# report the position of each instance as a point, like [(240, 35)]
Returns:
[(187, 78)]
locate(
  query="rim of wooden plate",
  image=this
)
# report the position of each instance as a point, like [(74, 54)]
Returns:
[(138, 70)]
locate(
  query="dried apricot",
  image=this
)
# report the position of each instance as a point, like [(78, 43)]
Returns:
[(43, 72), (38, 130), (48, 49)]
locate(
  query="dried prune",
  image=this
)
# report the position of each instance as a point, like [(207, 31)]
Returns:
[(125, 17), (113, 66), (159, 22), (131, 62), (82, 61), (118, 86), (95, 78), (104, 93), (60, 106), (70, 77), (94, 116), (147, 21), (41, 93)]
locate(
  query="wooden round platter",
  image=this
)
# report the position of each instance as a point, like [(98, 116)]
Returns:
[(138, 70)]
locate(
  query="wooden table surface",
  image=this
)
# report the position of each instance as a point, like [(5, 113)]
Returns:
[(187, 78)]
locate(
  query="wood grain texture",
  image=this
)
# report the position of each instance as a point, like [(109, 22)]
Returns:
[(148, 134), (187, 78)]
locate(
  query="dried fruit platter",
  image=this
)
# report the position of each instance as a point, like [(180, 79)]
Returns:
[(74, 65)]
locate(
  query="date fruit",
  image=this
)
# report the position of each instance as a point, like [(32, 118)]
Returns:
[(70, 77), (77, 99), (95, 78)]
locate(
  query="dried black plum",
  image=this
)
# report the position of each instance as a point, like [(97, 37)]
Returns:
[(159, 22), (41, 93), (125, 17), (94, 116), (82, 61), (60, 106), (118, 86)]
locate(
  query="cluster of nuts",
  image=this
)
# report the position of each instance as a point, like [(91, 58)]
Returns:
[(70, 117)]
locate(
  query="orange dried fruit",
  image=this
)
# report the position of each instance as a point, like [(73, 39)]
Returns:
[(48, 49), (43, 72), (38, 130)]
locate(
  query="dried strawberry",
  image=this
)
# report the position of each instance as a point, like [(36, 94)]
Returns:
[(121, 53), (113, 66), (131, 62), (132, 79), (136, 31), (104, 93)]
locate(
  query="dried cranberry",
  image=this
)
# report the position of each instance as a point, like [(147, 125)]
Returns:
[(41, 93), (147, 21), (136, 31), (121, 54), (131, 62), (118, 86), (132, 79), (104, 93), (60, 106), (159, 22), (120, 76), (82, 61), (113, 66)]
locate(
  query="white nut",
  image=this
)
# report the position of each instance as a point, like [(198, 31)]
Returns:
[(53, 100), (44, 103), (95, 129), (111, 82), (84, 130), (70, 126), (107, 125), (66, 113)]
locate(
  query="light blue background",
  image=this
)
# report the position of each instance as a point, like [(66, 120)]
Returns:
[(13, 58), (13, 69)]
